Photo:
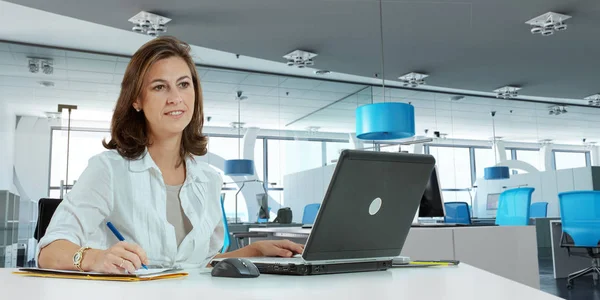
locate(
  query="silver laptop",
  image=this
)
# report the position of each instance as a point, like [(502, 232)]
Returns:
[(364, 218)]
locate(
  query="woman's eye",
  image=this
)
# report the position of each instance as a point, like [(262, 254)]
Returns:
[(158, 87), (184, 84)]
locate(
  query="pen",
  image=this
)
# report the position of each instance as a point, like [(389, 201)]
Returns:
[(119, 236)]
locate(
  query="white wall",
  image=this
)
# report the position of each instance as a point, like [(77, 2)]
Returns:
[(32, 156), (547, 186), (306, 187), (7, 137)]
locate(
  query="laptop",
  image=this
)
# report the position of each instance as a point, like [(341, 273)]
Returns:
[(364, 218)]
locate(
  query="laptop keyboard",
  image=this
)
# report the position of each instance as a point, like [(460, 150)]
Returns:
[(277, 260)]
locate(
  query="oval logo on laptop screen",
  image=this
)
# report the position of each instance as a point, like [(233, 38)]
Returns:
[(375, 206)]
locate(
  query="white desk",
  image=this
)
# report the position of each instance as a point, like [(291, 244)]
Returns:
[(508, 251), (462, 282)]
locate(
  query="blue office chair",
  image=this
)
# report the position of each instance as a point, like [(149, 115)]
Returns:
[(310, 213), (264, 220), (580, 215), (457, 213), (513, 207), (227, 240), (538, 210)]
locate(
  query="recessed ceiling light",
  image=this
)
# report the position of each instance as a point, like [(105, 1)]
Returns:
[(46, 83), (149, 23), (547, 23), (53, 114), (300, 58), (322, 72), (507, 92), (593, 100)]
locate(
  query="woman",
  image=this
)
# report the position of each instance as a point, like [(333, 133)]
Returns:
[(149, 186)]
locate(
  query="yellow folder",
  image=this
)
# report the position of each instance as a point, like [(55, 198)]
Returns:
[(148, 275)]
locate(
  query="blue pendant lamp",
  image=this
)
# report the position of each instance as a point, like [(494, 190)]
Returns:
[(239, 167), (386, 120), (495, 172)]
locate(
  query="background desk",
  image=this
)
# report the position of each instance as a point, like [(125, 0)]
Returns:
[(561, 261), (508, 251), (461, 283)]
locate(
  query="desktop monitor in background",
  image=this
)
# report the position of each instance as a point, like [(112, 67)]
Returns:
[(431, 208)]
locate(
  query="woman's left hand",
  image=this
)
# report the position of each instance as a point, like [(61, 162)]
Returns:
[(281, 248)]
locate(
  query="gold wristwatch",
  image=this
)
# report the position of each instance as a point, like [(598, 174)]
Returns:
[(78, 257)]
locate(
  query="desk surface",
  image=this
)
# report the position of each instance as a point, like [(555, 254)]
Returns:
[(462, 282)]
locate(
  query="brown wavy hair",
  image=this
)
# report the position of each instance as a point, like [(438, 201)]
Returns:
[(129, 132)]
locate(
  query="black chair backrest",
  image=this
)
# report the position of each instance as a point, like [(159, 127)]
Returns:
[(46, 208)]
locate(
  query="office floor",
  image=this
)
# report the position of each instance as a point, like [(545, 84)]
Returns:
[(582, 290)]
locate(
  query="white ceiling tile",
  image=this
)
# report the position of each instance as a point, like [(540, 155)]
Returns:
[(219, 87), (84, 55), (347, 88), (120, 67), (90, 76), (300, 83), (263, 80), (254, 89), (23, 73), (286, 92), (91, 65), (224, 76), (323, 96), (6, 58), (36, 51), (117, 79), (4, 47), (123, 59)]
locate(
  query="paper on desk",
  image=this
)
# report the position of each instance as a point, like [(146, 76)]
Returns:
[(140, 275)]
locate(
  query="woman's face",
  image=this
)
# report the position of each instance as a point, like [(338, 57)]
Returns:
[(167, 98)]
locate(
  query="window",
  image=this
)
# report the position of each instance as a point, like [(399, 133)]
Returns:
[(532, 157), (454, 166), (227, 148), (291, 156), (457, 196), (389, 148), (568, 160), (333, 150), (82, 146), (484, 157)]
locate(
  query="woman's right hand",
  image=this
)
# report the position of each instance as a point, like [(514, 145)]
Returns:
[(117, 259)]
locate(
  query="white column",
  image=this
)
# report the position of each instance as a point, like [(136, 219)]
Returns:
[(355, 143), (500, 150), (595, 155), (7, 144), (547, 157)]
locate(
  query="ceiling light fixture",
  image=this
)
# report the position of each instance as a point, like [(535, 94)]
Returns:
[(547, 23), (557, 110), (495, 172), (593, 100), (300, 58), (507, 92), (322, 72), (46, 83), (312, 130), (149, 23), (413, 79), (35, 63)]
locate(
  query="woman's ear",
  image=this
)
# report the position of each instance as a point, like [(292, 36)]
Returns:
[(137, 105)]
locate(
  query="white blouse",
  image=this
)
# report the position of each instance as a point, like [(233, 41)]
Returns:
[(132, 195)]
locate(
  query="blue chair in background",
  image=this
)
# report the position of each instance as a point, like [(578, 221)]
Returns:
[(310, 213), (580, 215), (513, 207), (227, 240), (457, 213), (264, 220), (538, 210)]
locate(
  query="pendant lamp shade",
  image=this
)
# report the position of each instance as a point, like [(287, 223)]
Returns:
[(239, 167), (385, 121), (496, 173)]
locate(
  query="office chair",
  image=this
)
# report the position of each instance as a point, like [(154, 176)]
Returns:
[(457, 213), (538, 210), (238, 236), (46, 209), (227, 240), (310, 213), (580, 216), (513, 207)]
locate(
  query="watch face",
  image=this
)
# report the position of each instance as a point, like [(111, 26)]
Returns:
[(77, 257)]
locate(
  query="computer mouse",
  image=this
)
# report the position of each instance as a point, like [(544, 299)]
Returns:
[(235, 268)]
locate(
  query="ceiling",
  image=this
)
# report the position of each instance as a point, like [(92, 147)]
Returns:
[(92, 81), (463, 44)]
